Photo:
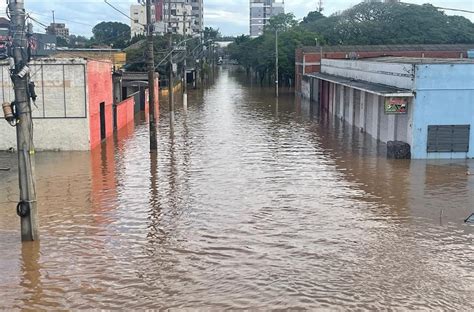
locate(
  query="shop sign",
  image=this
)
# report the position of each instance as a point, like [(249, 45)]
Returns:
[(396, 106)]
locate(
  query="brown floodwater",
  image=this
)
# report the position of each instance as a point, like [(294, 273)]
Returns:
[(249, 204)]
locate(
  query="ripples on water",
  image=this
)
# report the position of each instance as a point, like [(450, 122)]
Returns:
[(249, 204)]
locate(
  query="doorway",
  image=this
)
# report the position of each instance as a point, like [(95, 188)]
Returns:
[(103, 129)]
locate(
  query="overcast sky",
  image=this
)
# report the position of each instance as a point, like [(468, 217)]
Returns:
[(230, 16)]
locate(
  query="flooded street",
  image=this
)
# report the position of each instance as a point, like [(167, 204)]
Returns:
[(250, 203)]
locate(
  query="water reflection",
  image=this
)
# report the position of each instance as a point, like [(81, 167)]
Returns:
[(251, 202)]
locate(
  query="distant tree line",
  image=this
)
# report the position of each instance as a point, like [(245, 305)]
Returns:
[(364, 24)]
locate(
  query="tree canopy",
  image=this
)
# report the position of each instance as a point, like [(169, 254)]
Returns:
[(374, 23), (390, 23), (111, 33)]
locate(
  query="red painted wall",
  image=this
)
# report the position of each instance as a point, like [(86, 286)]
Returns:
[(157, 99), (125, 113), (99, 86)]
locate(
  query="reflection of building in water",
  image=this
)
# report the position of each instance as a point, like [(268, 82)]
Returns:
[(411, 189)]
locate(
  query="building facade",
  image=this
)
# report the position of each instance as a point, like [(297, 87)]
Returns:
[(176, 16), (308, 59), (424, 103), (75, 108), (58, 29), (260, 13)]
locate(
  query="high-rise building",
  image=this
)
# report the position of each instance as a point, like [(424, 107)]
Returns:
[(260, 13), (58, 29), (174, 16), (198, 14)]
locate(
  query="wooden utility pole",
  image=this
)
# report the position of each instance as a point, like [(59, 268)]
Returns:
[(27, 207), (276, 65), (185, 75), (151, 78)]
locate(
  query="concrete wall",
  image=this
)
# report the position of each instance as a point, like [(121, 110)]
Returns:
[(365, 111), (157, 99), (306, 88), (308, 60), (99, 88), (445, 96), (125, 113), (60, 114), (397, 75)]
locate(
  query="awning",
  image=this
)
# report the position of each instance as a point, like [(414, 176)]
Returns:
[(374, 88)]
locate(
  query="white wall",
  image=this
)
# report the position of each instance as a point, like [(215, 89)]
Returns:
[(61, 91), (396, 75)]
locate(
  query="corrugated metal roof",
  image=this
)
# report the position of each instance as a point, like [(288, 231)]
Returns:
[(389, 48)]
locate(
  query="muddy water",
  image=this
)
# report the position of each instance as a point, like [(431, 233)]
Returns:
[(249, 204)]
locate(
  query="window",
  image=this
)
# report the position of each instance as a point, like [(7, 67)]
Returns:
[(450, 139)]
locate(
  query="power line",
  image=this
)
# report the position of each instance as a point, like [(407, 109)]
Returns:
[(120, 11), (63, 19), (38, 22), (455, 10)]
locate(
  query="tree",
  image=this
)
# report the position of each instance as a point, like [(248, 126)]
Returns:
[(390, 23), (211, 34), (112, 34), (61, 42), (313, 17), (281, 22)]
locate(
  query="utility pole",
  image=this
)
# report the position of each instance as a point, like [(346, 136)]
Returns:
[(54, 24), (171, 72), (27, 207), (185, 75), (276, 64), (151, 78)]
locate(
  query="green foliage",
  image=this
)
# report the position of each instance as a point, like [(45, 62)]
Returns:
[(113, 34), (259, 54), (397, 23), (210, 33), (61, 42), (364, 24)]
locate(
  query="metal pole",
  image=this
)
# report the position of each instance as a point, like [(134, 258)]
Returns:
[(171, 73), (171, 79), (27, 208), (185, 76), (276, 64), (151, 79)]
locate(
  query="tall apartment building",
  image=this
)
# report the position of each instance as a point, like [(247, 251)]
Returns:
[(260, 13), (169, 16), (58, 29)]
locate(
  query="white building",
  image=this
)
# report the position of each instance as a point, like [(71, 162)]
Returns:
[(260, 13), (138, 14)]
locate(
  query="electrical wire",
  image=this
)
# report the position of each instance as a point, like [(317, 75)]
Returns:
[(62, 19), (121, 12)]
